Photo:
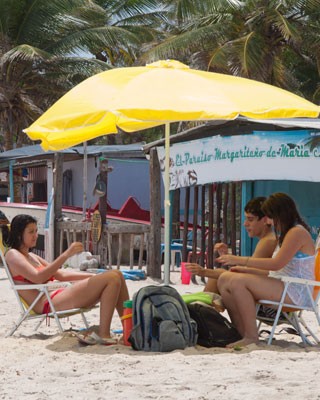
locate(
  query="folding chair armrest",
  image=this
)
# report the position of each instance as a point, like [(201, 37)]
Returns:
[(300, 280), (51, 285), (285, 306)]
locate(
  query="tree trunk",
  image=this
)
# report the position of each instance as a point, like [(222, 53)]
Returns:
[(154, 242), (57, 184)]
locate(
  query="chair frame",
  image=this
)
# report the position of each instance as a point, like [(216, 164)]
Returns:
[(27, 311), (293, 313)]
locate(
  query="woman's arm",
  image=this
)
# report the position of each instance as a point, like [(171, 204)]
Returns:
[(21, 265), (297, 238), (71, 275), (204, 272), (248, 270)]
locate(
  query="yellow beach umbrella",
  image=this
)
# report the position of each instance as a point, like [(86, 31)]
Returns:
[(76, 118), (136, 98)]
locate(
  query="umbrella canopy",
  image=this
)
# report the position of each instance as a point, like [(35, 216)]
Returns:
[(136, 98)]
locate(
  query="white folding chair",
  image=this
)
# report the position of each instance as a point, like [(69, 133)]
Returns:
[(293, 314), (27, 311)]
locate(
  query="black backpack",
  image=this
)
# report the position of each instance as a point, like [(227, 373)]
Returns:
[(161, 320), (214, 330)]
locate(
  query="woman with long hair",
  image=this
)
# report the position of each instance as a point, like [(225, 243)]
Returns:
[(294, 256), (108, 288)]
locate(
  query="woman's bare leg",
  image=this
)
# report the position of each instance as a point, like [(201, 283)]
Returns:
[(123, 294), (240, 294), (233, 311), (211, 286), (212, 283), (109, 288)]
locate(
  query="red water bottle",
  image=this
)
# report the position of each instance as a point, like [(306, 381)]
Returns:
[(127, 321)]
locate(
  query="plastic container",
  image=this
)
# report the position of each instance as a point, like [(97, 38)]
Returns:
[(127, 321), (185, 275), (79, 260)]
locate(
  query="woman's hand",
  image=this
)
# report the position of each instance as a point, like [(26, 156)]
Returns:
[(221, 248), (74, 248), (195, 269), (229, 259)]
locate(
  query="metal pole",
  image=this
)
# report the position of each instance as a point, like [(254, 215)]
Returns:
[(167, 207), (85, 180)]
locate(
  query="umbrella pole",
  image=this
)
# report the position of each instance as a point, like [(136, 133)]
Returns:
[(85, 180), (167, 207)]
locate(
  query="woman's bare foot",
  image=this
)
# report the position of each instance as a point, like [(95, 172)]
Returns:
[(243, 342)]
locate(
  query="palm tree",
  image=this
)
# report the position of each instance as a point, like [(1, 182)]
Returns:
[(264, 40), (46, 47), (143, 18)]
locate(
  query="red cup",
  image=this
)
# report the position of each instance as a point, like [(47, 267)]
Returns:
[(185, 275)]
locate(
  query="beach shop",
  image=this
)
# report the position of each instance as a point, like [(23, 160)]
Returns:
[(223, 164)]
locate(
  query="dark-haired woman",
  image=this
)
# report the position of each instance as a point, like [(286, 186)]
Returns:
[(108, 288), (294, 256)]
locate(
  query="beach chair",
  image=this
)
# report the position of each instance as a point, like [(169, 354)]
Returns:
[(27, 311), (293, 314)]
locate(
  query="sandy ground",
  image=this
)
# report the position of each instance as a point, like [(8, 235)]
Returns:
[(46, 364)]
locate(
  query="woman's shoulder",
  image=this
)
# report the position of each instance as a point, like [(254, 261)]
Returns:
[(12, 252), (13, 256), (299, 234), (300, 229)]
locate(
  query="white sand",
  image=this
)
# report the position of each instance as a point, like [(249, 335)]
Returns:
[(47, 365)]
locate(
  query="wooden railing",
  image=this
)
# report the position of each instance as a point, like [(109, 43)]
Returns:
[(116, 245)]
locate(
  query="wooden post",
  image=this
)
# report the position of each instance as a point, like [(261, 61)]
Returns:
[(141, 248), (186, 224), (154, 258), (225, 213), (203, 257), (195, 223), (103, 176), (218, 211), (195, 228), (58, 184), (176, 214), (233, 236), (210, 227)]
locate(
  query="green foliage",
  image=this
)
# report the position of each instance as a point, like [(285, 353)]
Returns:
[(271, 41), (47, 47)]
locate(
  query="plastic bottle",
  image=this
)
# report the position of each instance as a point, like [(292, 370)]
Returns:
[(127, 321)]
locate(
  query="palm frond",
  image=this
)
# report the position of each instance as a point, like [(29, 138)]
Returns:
[(24, 53), (288, 30), (184, 45)]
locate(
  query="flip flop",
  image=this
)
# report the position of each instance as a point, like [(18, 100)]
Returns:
[(92, 339)]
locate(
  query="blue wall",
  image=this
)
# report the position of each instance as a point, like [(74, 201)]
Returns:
[(129, 177), (305, 194)]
